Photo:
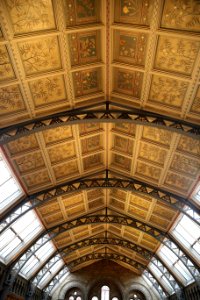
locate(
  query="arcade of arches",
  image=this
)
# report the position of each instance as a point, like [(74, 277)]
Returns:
[(99, 150)]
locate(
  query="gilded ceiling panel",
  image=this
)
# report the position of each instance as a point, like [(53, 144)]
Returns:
[(164, 211), (140, 202), (93, 161), (93, 143), (152, 153), (40, 55), (67, 169), (31, 16), (97, 203), (133, 11), (130, 47), (160, 136), (11, 100), (168, 91), (1, 33), (37, 179), (6, 69), (159, 222), (185, 164), (119, 194), (178, 182), (117, 204), (128, 82), (196, 104), (91, 195), (121, 162), (176, 54), (80, 12), (23, 144), (189, 145), (57, 134), (147, 170), (125, 128), (88, 128), (123, 144), (182, 15), (30, 162), (53, 219), (85, 47), (49, 90), (87, 82), (149, 242), (62, 152), (137, 213)]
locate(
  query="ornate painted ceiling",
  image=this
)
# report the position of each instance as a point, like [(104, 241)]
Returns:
[(62, 55)]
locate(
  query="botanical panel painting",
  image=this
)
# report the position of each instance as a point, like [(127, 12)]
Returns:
[(168, 91), (11, 100), (176, 54), (84, 47), (133, 11), (86, 82), (130, 48), (48, 90), (127, 82), (181, 14), (185, 164), (81, 11), (29, 16), (6, 69), (157, 135), (40, 55)]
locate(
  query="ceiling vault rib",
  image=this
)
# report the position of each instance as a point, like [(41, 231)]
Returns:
[(176, 284), (135, 186), (77, 116), (159, 235)]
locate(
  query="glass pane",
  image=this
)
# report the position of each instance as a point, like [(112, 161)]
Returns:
[(52, 271), (105, 292)]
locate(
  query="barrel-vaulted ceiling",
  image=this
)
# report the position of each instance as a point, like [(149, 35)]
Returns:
[(62, 55)]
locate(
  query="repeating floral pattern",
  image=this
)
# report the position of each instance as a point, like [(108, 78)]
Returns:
[(29, 16), (6, 69)]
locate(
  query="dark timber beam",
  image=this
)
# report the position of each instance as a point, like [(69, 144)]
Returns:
[(81, 184), (146, 254), (159, 235), (82, 115)]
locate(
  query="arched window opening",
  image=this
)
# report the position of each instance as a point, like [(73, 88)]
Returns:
[(95, 298), (114, 298), (136, 295), (74, 294), (105, 292)]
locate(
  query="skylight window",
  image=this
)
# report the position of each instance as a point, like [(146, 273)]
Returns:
[(188, 234), (51, 272), (37, 259), (160, 277), (10, 190), (175, 264), (18, 235)]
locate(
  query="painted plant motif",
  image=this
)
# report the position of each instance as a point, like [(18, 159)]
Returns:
[(131, 47), (178, 181), (132, 11), (152, 153), (148, 171), (40, 55), (84, 48), (6, 70), (122, 162), (48, 90), (185, 164), (86, 82), (128, 82), (86, 8), (157, 135), (181, 14), (168, 91), (176, 55), (130, 7), (11, 99), (188, 145), (30, 16)]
